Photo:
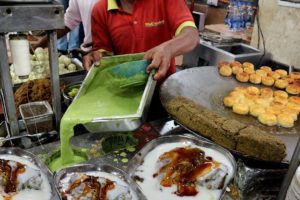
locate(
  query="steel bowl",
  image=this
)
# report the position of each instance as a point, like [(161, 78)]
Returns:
[(67, 98)]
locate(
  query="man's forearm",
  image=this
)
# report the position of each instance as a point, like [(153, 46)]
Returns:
[(60, 33), (185, 42)]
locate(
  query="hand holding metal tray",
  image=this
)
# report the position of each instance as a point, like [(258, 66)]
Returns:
[(205, 86), (119, 123)]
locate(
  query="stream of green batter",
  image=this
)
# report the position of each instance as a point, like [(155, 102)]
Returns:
[(102, 98)]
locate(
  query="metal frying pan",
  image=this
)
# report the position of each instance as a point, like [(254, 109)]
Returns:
[(205, 86)]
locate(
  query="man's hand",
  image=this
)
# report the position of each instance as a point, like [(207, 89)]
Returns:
[(90, 58), (160, 57)]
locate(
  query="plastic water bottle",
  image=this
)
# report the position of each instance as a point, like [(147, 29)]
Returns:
[(229, 12), (243, 14), (235, 20), (250, 14)]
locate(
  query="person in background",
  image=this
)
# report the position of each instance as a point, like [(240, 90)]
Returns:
[(71, 42), (163, 29), (79, 11)]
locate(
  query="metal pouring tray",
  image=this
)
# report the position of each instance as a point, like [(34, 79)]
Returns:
[(119, 123), (205, 86)]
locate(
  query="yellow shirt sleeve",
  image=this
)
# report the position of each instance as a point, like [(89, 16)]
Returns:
[(183, 25)]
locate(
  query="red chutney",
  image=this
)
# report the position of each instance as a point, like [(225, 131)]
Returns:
[(11, 175), (183, 166), (92, 186)]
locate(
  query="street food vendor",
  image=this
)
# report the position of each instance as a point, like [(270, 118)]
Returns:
[(163, 29)]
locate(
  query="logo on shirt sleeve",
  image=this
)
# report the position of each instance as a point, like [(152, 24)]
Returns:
[(154, 23)]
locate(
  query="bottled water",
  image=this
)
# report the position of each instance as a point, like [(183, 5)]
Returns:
[(240, 15)]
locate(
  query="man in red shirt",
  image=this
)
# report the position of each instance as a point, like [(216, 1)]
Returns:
[(163, 29)]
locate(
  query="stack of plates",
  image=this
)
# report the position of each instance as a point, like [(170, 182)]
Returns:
[(294, 189)]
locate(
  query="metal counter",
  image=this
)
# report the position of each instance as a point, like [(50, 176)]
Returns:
[(251, 181)]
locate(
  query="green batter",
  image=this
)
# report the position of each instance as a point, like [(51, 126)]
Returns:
[(103, 98)]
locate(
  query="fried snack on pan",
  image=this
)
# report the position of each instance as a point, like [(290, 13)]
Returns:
[(268, 118), (293, 89), (281, 72), (236, 70), (274, 75), (267, 81), (249, 70), (294, 99), (257, 110), (240, 108), (295, 75), (266, 92), (255, 78), (229, 101), (281, 83), (289, 79), (285, 120), (225, 71), (223, 63), (242, 77), (253, 90), (248, 65), (236, 64), (261, 72), (266, 68), (281, 93)]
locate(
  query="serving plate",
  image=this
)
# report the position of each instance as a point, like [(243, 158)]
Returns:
[(205, 86), (85, 168), (185, 140), (32, 158)]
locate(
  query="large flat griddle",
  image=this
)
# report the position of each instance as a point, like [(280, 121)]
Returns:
[(205, 86)]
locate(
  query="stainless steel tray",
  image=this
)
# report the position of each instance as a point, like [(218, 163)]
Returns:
[(138, 159), (205, 86), (32, 158), (120, 123), (63, 173)]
